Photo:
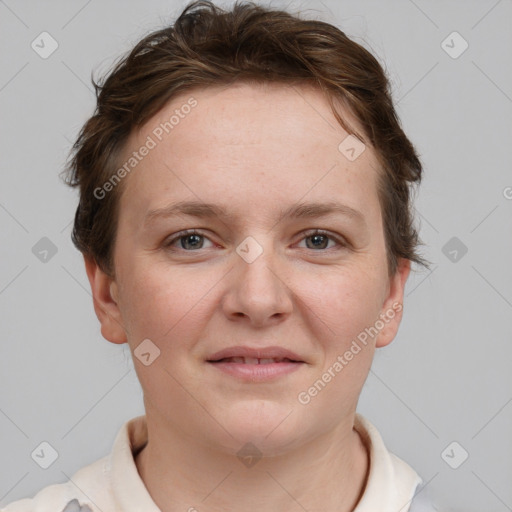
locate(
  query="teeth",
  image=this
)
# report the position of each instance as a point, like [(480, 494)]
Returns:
[(255, 360)]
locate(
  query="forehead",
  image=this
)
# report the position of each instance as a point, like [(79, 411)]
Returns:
[(243, 113), (278, 138)]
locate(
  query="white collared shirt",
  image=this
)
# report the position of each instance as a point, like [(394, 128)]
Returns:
[(113, 484)]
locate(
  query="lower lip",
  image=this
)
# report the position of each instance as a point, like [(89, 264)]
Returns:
[(257, 372)]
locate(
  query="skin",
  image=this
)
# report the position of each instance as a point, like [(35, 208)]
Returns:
[(256, 150)]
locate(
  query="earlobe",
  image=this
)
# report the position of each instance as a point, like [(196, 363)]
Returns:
[(105, 300), (392, 310)]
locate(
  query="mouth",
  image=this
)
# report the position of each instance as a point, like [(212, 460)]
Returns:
[(255, 360), (256, 365)]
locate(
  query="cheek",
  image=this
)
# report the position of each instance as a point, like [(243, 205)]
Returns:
[(344, 302), (340, 311), (168, 308), (163, 305)]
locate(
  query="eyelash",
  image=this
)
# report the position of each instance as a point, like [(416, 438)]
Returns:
[(182, 234)]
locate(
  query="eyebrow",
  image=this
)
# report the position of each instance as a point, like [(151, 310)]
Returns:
[(208, 210)]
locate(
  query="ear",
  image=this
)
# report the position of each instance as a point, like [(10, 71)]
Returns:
[(392, 308), (104, 296)]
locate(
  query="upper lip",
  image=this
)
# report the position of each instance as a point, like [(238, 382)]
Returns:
[(259, 353)]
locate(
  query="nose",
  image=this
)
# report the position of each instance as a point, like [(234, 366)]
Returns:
[(257, 291)]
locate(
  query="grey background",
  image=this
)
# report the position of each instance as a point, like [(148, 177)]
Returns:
[(446, 376)]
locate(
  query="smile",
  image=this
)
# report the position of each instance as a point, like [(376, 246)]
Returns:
[(255, 360), (256, 364)]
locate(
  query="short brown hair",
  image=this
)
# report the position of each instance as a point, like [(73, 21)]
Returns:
[(208, 46)]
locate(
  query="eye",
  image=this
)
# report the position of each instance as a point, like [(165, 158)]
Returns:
[(193, 240), (320, 239), (190, 240)]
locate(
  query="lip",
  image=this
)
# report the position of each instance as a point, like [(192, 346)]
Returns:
[(259, 353), (256, 372)]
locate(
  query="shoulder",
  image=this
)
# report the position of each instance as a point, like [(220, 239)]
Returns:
[(100, 485), (85, 491)]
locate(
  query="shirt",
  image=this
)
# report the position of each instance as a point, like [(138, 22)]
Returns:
[(113, 484)]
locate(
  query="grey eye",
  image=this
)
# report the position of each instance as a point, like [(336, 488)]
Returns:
[(318, 241)]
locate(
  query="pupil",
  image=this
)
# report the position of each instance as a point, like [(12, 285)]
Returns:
[(188, 238), (318, 238)]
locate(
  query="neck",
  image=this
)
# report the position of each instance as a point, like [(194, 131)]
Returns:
[(328, 473)]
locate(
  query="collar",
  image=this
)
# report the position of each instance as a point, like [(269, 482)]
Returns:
[(391, 482)]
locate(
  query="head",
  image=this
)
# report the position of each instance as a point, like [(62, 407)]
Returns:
[(261, 114)]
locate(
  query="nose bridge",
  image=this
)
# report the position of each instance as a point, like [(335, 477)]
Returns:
[(257, 290), (259, 265)]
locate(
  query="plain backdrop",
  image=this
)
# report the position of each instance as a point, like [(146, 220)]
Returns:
[(440, 394)]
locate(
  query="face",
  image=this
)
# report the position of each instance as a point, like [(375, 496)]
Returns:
[(286, 267)]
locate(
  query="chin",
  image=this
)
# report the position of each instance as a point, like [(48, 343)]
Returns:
[(268, 425)]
